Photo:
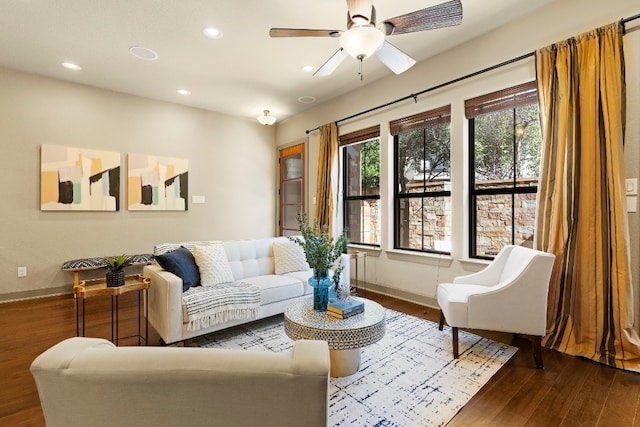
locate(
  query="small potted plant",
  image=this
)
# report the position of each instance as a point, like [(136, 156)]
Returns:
[(321, 252), (115, 269)]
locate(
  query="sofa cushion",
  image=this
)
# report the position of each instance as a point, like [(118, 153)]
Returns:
[(181, 262), (289, 256), (276, 288), (213, 264), (302, 276), (249, 258)]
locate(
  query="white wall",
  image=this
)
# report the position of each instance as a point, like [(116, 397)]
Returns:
[(223, 153), (412, 276)]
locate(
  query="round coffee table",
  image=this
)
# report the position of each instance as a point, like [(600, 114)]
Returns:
[(345, 336)]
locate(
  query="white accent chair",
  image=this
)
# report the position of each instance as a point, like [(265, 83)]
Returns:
[(509, 295)]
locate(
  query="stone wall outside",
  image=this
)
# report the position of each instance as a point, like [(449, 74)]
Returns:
[(493, 221)]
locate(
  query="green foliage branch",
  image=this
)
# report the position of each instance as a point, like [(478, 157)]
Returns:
[(117, 263), (320, 249)]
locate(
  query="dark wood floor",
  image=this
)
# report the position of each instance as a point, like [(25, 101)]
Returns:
[(570, 391)]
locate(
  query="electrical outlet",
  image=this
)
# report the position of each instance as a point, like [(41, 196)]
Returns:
[(22, 271)]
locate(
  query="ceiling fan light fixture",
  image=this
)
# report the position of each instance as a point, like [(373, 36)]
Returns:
[(266, 119), (361, 42)]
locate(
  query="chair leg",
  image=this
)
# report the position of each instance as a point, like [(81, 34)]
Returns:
[(441, 324), (454, 333), (536, 342)]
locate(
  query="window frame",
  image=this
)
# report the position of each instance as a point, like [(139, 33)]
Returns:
[(362, 136), (506, 99), (416, 122)]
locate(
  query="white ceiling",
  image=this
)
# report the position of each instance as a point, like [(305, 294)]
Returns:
[(241, 74)]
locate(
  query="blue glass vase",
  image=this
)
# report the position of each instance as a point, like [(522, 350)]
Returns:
[(320, 287)]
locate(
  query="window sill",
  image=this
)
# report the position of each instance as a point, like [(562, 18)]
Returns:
[(369, 250), (420, 257)]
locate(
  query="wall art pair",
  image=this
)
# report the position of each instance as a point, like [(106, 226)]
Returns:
[(82, 179)]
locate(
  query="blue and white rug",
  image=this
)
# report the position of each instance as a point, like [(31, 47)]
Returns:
[(408, 378)]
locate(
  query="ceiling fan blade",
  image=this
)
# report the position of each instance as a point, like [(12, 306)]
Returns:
[(394, 58), (442, 15), (301, 32), (332, 63)]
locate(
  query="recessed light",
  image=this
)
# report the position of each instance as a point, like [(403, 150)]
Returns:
[(306, 99), (71, 66), (307, 68), (184, 92), (212, 33), (143, 53)]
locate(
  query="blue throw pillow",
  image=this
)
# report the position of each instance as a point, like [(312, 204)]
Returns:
[(181, 263)]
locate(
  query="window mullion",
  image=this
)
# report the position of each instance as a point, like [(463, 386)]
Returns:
[(515, 179)]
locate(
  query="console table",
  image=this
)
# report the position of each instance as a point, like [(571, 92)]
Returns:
[(345, 336), (357, 256), (76, 266), (98, 287)]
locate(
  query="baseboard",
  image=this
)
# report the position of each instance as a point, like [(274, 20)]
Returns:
[(379, 289), (396, 293), (36, 293)]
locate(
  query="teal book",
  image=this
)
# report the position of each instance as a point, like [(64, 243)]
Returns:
[(345, 307), (344, 316)]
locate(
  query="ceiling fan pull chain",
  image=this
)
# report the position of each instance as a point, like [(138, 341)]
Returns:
[(360, 58)]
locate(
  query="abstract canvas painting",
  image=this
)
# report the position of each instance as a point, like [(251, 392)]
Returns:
[(157, 183), (80, 179)]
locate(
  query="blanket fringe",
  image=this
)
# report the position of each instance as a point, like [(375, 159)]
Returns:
[(220, 315)]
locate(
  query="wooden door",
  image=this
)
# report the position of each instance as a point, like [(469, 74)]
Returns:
[(291, 190)]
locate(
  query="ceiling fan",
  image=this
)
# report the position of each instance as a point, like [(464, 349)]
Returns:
[(363, 38)]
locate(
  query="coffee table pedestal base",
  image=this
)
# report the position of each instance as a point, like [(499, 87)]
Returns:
[(344, 362)]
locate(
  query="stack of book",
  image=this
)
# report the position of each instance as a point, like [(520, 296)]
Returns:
[(344, 309)]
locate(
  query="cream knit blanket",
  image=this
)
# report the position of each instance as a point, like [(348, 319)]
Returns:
[(209, 305)]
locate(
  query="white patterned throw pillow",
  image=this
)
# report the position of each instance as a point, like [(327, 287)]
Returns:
[(288, 256), (213, 264)]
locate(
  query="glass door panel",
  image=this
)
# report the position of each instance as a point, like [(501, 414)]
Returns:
[(292, 192)]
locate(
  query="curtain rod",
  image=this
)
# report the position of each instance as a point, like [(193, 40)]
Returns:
[(414, 96), (631, 18)]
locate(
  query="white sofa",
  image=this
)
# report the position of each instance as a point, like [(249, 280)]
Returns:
[(251, 262), (91, 382)]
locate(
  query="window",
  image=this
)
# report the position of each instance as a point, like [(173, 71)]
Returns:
[(505, 143), (422, 195), (361, 154)]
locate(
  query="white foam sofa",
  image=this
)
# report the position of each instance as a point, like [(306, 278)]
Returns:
[(281, 279), (91, 382)]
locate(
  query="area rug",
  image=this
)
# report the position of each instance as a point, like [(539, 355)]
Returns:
[(408, 378)]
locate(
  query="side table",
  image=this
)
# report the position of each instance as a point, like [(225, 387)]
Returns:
[(98, 287), (357, 256), (345, 336)]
